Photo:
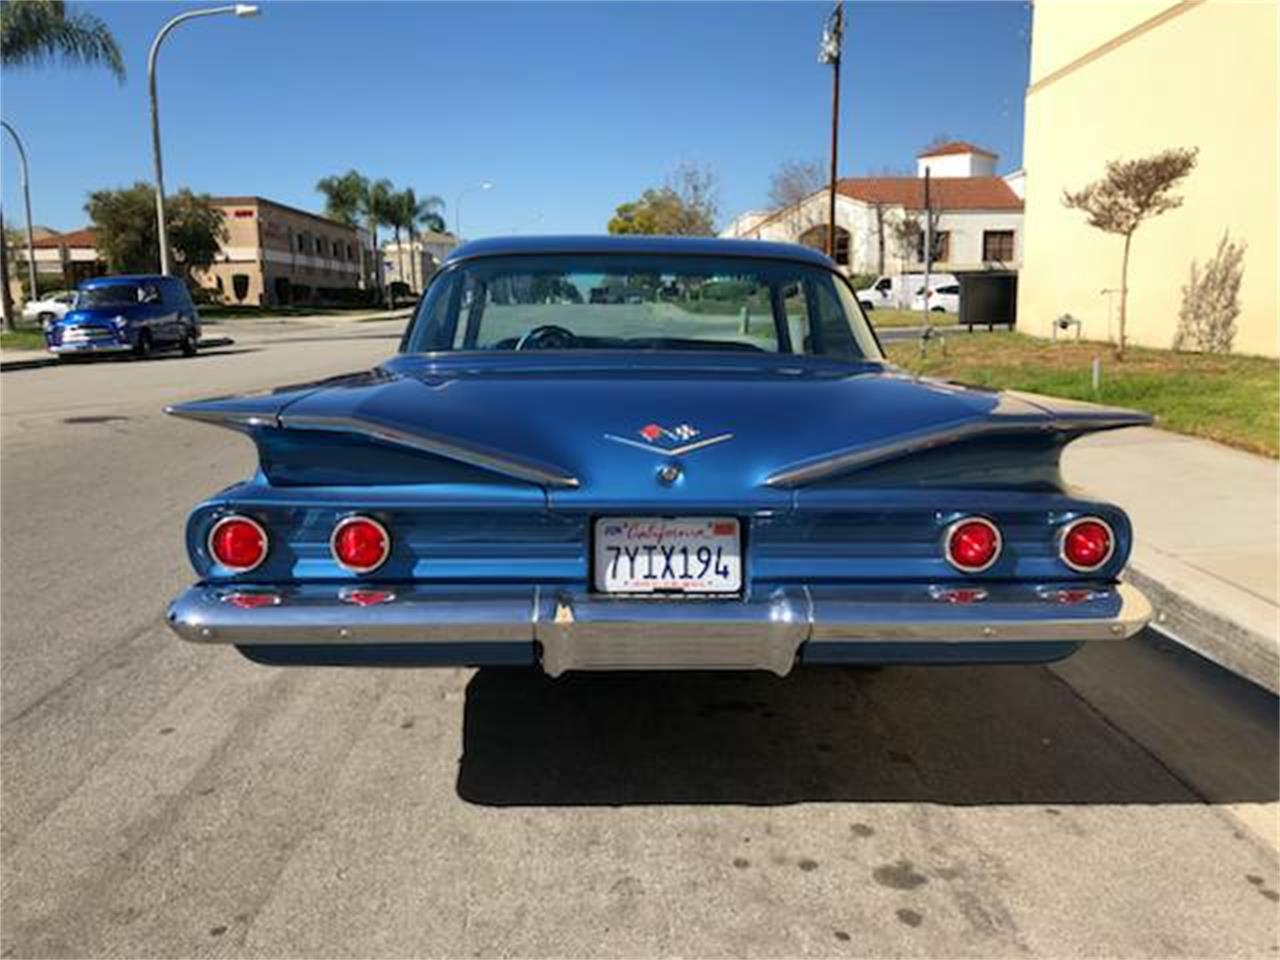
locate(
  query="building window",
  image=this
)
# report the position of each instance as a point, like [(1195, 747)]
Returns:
[(997, 244), (349, 256), (941, 246), (337, 250)]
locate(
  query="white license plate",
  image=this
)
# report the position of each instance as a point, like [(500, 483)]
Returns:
[(668, 555)]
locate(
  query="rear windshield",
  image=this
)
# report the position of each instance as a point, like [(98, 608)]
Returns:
[(109, 295), (640, 302)]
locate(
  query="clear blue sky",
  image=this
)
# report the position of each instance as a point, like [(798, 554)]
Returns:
[(569, 108)]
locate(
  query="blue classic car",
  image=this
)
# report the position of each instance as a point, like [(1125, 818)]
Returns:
[(127, 314), (616, 453)]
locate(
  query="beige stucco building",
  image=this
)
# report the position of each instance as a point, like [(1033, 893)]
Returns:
[(1125, 80), (275, 255)]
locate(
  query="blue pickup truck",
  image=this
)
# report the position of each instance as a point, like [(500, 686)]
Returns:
[(127, 314)]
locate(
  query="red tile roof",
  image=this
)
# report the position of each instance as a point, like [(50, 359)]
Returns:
[(953, 146), (945, 193), (85, 237)]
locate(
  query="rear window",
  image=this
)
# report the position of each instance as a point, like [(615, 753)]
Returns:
[(639, 302)]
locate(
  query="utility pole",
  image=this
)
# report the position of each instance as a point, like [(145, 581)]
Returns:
[(829, 52)]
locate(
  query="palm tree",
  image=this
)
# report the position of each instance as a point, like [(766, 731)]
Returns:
[(424, 212), (379, 210), (33, 32), (344, 196), (36, 31)]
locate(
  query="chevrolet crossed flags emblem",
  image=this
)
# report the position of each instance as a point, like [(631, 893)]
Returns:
[(669, 441)]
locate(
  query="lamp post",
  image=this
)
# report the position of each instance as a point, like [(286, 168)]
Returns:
[(26, 199), (829, 52), (457, 206), (240, 10)]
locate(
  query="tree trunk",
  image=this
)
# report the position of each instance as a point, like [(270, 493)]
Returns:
[(415, 261), (880, 240), (399, 257), (1124, 294), (4, 278)]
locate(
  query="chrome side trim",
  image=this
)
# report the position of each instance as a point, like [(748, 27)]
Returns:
[(866, 455), (512, 466), (243, 421)]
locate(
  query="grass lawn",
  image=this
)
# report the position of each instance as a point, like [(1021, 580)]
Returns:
[(1234, 400), (22, 340), (907, 318)]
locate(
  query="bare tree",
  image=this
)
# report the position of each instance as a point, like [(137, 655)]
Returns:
[(879, 208), (698, 188), (1211, 301), (1132, 191), (790, 185)]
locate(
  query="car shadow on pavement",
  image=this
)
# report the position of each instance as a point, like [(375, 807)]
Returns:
[(950, 735)]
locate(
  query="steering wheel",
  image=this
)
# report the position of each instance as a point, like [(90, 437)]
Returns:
[(547, 337)]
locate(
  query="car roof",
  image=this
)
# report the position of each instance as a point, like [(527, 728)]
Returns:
[(125, 278), (608, 243)]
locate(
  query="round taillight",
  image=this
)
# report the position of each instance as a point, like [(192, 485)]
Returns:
[(973, 544), (1086, 544), (360, 544), (238, 543)]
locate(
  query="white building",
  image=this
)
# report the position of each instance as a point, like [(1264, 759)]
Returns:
[(976, 217), (429, 248)]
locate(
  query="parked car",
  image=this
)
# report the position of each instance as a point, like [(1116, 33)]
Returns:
[(895, 291), (127, 314), (50, 307), (599, 486), (939, 299)]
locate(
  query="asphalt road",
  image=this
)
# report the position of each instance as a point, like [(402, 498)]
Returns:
[(161, 799)]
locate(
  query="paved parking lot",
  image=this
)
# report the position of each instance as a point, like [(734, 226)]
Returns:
[(161, 799)]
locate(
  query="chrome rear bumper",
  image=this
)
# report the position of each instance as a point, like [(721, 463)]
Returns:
[(579, 631)]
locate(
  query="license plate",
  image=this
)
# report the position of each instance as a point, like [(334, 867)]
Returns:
[(668, 555)]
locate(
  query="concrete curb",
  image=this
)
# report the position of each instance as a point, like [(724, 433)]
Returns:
[(29, 362), (1233, 631)]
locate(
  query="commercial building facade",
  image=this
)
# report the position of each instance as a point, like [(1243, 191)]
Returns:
[(1127, 80), (276, 255)]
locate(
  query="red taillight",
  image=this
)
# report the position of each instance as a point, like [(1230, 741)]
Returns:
[(1087, 544), (973, 544), (360, 544), (238, 543)]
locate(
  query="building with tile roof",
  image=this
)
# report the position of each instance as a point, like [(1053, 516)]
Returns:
[(976, 216)]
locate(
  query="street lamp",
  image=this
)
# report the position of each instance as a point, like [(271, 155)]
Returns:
[(457, 207), (829, 53), (240, 10), (26, 198)]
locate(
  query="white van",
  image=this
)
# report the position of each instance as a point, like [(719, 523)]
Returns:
[(896, 291)]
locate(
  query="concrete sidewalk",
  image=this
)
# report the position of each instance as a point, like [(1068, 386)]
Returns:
[(220, 332), (1206, 527)]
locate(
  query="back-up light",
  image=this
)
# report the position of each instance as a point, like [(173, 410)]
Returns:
[(972, 544), (1086, 544), (360, 544), (238, 543)]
